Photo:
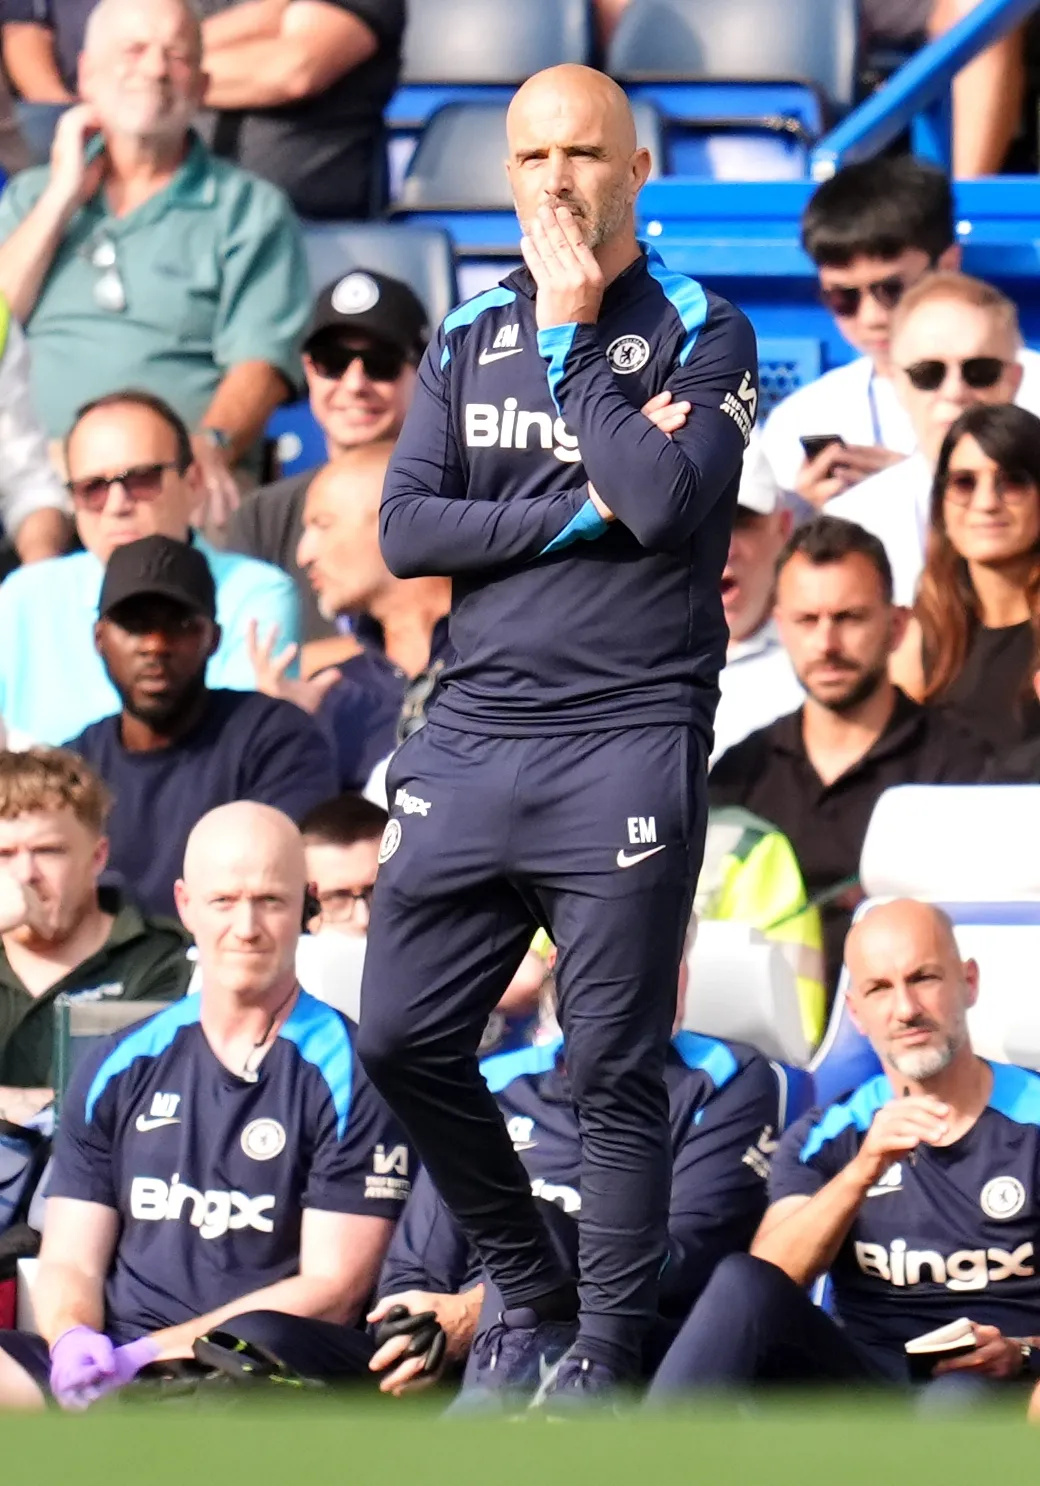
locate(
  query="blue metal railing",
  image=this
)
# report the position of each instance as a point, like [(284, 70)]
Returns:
[(918, 95)]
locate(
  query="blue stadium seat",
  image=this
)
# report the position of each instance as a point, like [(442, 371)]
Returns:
[(457, 181), (466, 51), (785, 363), (797, 1092), (420, 256), (299, 442), (844, 1058), (744, 92)]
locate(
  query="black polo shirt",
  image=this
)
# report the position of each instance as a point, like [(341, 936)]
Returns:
[(143, 959), (769, 773), (327, 152)]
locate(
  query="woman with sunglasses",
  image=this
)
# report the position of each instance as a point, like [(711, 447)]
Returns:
[(978, 603)]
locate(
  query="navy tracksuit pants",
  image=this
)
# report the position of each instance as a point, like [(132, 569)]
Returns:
[(599, 838)]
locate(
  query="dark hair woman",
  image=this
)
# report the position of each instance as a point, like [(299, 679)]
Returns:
[(978, 603)]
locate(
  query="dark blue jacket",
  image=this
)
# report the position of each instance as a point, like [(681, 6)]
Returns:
[(561, 622)]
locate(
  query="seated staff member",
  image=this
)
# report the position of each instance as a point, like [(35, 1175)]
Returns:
[(224, 1166), (919, 1194)]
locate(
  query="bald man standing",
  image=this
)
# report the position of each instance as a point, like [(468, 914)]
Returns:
[(224, 1174), (919, 1194), (561, 779)]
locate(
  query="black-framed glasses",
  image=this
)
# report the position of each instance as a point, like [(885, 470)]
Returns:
[(340, 905), (141, 482), (379, 363), (844, 300), (1013, 487), (978, 372)]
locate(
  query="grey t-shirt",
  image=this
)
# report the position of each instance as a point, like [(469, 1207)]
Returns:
[(268, 524), (895, 19)]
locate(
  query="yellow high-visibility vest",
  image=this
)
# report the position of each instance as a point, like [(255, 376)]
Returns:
[(751, 875)]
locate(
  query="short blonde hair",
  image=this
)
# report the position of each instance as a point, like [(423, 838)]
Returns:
[(52, 779), (963, 289)]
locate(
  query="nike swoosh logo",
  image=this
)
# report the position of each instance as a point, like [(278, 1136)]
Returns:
[(524, 1145), (144, 1124), (880, 1191), (487, 357), (624, 860)]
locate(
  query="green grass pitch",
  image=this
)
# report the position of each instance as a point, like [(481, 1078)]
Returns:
[(348, 1441)]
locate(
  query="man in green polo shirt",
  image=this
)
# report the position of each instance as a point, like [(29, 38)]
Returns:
[(136, 258), (57, 931)]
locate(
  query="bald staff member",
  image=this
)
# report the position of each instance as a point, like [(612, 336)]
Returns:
[(219, 1169), (560, 780), (919, 1194)]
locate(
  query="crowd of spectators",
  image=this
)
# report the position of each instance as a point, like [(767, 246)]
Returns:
[(194, 663)]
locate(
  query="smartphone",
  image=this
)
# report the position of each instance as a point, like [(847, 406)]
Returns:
[(815, 443)]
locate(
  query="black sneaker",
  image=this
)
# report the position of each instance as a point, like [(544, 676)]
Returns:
[(512, 1357), (575, 1382)]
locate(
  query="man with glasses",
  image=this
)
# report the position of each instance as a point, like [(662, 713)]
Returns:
[(132, 474), (137, 258), (873, 232), (366, 337), (178, 748), (341, 838), (955, 343)]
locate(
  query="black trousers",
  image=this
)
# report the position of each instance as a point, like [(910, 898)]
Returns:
[(753, 1324), (598, 837)]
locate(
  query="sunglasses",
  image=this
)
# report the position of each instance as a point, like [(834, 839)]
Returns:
[(142, 482), (978, 372), (379, 363), (844, 301), (109, 289), (1013, 487)]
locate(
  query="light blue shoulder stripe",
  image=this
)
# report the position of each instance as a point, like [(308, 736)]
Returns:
[(502, 1068), (708, 1055), (320, 1036), (585, 526), (1016, 1093), (147, 1040), (472, 310), (856, 1112), (687, 297), (555, 345)]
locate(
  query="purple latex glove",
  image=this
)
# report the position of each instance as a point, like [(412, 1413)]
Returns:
[(80, 1360), (91, 1366)]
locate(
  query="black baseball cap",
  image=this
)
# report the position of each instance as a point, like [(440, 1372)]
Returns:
[(163, 566), (372, 304)]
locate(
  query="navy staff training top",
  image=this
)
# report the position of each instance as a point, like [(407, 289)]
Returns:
[(561, 622), (955, 1233), (210, 1172)]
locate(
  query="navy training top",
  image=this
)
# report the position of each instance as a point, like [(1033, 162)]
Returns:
[(210, 1172), (954, 1233), (561, 622)]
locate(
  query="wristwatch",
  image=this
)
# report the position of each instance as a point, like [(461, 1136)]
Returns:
[(1030, 1356), (217, 437)]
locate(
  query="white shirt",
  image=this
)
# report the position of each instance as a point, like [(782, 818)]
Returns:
[(757, 685), (893, 505), (862, 407), (28, 482)]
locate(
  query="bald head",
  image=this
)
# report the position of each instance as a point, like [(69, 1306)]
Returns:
[(141, 68), (244, 833), (568, 87), (241, 897), (339, 547), (909, 990), (889, 929), (572, 141)]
